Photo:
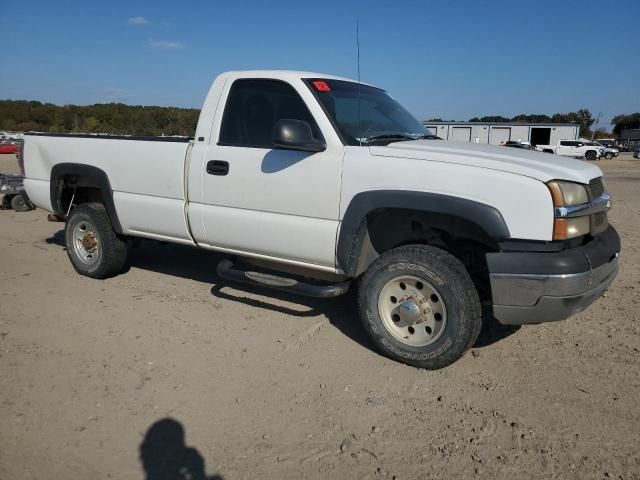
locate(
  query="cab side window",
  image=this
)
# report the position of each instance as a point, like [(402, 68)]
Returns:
[(253, 108)]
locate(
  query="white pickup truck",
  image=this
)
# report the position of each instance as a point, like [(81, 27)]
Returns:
[(335, 180), (574, 148)]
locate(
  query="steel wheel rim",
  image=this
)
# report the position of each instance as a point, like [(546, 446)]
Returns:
[(415, 315), (85, 243)]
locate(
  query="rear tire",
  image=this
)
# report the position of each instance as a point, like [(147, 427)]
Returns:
[(419, 306), (591, 155), (94, 249)]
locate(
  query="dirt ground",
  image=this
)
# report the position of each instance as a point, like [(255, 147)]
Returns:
[(102, 379)]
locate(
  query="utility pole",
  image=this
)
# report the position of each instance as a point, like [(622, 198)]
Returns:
[(593, 132)]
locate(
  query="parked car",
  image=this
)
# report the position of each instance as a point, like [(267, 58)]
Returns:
[(607, 142), (9, 147), (636, 152), (336, 180), (573, 148), (607, 152), (516, 144)]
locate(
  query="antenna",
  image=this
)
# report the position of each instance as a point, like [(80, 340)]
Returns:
[(358, 47), (358, 65)]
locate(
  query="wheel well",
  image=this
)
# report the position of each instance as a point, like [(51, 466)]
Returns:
[(69, 191), (74, 184), (385, 229)]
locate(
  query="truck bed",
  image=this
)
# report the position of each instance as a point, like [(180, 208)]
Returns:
[(145, 174)]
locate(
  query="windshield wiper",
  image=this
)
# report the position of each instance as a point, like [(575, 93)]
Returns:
[(390, 136)]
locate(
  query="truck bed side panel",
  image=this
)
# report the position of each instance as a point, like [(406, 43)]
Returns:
[(146, 178)]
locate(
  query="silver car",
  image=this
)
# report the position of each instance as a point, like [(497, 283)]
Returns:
[(605, 151)]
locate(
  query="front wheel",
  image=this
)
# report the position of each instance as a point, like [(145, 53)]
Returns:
[(419, 306), (608, 156), (94, 249), (591, 155)]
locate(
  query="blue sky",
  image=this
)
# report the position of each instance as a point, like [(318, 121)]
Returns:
[(452, 59)]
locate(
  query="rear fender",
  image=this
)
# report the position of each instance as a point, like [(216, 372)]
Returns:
[(77, 175)]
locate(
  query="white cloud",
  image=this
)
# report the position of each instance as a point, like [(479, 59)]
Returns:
[(137, 21), (165, 44), (116, 94)]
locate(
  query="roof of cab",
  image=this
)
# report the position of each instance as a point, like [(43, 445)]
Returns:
[(283, 75)]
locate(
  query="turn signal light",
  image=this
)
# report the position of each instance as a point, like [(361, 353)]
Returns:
[(566, 228)]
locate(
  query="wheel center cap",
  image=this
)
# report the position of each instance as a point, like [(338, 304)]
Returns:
[(89, 242), (409, 312)]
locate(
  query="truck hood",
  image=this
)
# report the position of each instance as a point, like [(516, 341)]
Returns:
[(538, 165)]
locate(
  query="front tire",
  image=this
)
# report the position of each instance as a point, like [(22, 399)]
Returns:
[(591, 155), (419, 306), (94, 249), (608, 156)]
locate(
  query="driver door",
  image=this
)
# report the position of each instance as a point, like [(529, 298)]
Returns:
[(266, 202)]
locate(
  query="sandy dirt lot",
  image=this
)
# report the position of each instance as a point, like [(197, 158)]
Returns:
[(167, 369)]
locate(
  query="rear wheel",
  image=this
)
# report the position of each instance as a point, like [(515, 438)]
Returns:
[(93, 247), (591, 155), (419, 306)]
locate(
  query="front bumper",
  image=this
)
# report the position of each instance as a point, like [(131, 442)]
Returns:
[(535, 287)]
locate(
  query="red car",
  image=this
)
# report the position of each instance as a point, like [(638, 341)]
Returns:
[(9, 148)]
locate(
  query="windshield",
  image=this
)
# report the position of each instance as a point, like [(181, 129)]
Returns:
[(365, 115)]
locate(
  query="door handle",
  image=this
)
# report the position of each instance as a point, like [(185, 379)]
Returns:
[(217, 167)]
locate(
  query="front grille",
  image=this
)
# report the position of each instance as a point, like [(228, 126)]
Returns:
[(596, 187)]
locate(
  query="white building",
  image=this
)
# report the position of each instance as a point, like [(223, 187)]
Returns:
[(499, 133)]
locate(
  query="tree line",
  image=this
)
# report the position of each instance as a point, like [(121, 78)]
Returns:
[(121, 119), (115, 118)]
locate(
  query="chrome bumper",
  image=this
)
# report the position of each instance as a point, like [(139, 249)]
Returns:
[(521, 299)]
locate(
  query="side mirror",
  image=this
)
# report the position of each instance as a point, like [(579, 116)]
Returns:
[(293, 134), (580, 145)]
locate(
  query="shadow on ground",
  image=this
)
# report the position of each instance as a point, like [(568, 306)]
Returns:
[(200, 265), (164, 455)]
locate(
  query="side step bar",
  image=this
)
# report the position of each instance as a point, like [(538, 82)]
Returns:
[(226, 269)]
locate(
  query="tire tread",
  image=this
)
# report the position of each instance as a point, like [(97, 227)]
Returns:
[(464, 287)]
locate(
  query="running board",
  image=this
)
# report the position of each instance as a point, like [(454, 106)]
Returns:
[(226, 269)]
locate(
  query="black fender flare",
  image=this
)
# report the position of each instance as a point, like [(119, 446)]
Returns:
[(353, 235), (82, 176)]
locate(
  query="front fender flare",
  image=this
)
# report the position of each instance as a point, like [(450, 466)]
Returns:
[(353, 231)]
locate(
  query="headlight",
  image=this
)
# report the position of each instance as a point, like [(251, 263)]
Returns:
[(567, 194)]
